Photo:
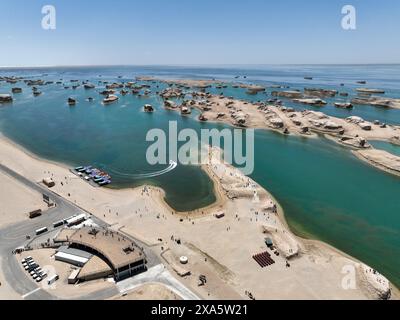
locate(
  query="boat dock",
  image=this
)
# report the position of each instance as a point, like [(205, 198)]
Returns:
[(94, 176)]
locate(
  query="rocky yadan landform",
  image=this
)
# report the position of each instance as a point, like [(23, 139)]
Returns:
[(353, 132)]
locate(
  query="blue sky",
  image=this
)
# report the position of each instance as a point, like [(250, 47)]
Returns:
[(198, 32)]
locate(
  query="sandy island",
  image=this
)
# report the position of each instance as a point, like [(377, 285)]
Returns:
[(220, 248), (352, 132)]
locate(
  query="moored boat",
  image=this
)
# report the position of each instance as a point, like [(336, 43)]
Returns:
[(110, 99), (16, 90), (88, 86), (71, 101), (343, 105), (5, 98), (148, 108)]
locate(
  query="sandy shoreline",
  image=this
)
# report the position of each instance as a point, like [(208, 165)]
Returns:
[(380, 159), (218, 203), (138, 212)]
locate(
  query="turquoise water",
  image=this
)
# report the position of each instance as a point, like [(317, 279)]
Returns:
[(326, 192), (387, 146)]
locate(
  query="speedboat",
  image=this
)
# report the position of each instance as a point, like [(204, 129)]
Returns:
[(86, 169), (104, 182)]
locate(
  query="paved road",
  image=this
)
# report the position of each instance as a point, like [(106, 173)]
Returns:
[(157, 274), (14, 236)]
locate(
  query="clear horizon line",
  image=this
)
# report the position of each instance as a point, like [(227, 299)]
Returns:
[(197, 65)]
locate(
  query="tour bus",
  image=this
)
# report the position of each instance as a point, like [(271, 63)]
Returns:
[(58, 224), (66, 219), (76, 220), (41, 230)]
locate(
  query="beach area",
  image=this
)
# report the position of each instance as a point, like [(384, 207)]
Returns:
[(221, 248)]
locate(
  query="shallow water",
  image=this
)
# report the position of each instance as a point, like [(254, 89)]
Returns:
[(325, 191), (387, 146)]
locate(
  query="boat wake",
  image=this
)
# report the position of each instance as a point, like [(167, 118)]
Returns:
[(172, 166)]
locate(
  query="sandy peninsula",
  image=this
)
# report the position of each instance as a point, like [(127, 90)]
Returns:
[(380, 159), (221, 248)]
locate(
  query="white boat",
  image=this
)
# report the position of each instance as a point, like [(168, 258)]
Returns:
[(110, 99)]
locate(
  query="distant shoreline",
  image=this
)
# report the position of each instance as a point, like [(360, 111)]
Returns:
[(233, 66)]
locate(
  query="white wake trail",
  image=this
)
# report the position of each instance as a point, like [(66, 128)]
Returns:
[(172, 166)]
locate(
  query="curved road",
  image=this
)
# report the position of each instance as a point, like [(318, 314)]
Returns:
[(14, 236)]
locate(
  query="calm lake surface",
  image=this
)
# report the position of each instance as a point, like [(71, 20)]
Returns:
[(326, 192)]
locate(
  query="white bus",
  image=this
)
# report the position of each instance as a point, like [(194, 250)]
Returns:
[(41, 230), (76, 220)]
